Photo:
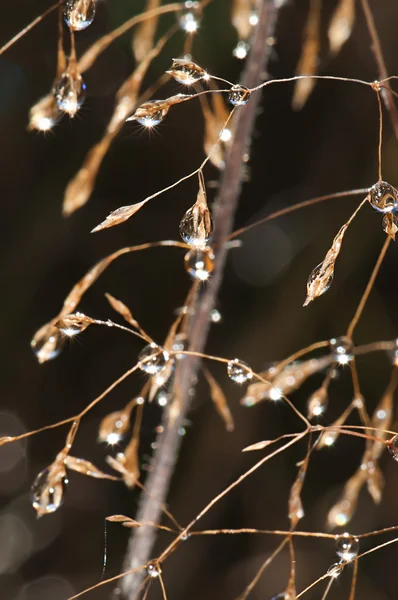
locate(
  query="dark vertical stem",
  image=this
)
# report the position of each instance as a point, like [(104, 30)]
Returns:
[(381, 65), (168, 443)]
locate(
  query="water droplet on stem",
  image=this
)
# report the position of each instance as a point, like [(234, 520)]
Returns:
[(79, 14), (241, 50), (196, 226), (383, 197), (189, 16), (70, 92), (48, 489), (199, 263), (238, 95), (347, 546), (153, 570), (48, 346), (392, 446), (239, 371), (153, 359), (335, 570), (342, 349), (186, 72)]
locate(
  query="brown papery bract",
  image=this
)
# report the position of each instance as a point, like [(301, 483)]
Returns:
[(341, 25), (321, 277), (143, 39), (80, 187), (241, 11), (286, 381), (308, 63), (220, 401)]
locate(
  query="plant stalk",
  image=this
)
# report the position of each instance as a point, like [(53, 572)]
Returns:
[(142, 540)]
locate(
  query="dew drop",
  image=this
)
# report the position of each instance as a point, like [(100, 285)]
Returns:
[(155, 359), (342, 349), (241, 50), (162, 399), (238, 95), (44, 115), (70, 92), (79, 14), (335, 570), (318, 282), (239, 371), (153, 570), (215, 316), (393, 353), (186, 72), (196, 226), (392, 446), (47, 497), (189, 16), (113, 438), (317, 403), (180, 344), (383, 197), (49, 346), (226, 135), (253, 19), (280, 596), (275, 393), (347, 546), (199, 263), (151, 113), (72, 329)]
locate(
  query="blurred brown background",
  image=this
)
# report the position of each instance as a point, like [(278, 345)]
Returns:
[(331, 145)]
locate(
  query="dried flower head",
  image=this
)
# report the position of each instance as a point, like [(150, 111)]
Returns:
[(321, 277)]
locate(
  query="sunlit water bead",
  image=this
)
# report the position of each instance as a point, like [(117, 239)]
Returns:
[(79, 14), (71, 327), (151, 113), (180, 344), (238, 95), (47, 498), (153, 570), (187, 72), (317, 403), (281, 596), (393, 353), (70, 92), (347, 546), (153, 358), (199, 263), (383, 197), (44, 115), (239, 371), (342, 349), (335, 570), (253, 18), (196, 226), (48, 347), (392, 446), (241, 50), (215, 316), (189, 16)]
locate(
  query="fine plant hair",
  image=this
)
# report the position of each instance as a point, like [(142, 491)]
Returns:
[(176, 366)]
